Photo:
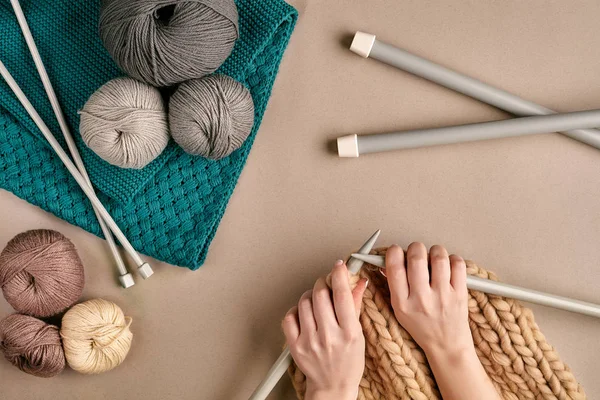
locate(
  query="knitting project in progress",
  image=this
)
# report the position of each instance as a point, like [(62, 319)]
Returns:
[(170, 209), (511, 347)]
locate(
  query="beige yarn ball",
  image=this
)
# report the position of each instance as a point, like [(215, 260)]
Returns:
[(125, 123), (96, 336)]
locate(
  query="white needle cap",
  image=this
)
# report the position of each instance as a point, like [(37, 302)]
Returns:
[(126, 280), (145, 270), (362, 43), (347, 146)]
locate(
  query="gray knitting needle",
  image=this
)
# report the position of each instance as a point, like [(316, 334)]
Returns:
[(353, 145), (125, 278), (285, 359), (511, 291), (145, 270), (366, 45)]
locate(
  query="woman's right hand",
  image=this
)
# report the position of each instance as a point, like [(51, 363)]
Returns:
[(433, 308)]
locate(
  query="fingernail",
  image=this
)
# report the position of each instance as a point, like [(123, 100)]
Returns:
[(339, 262), (382, 272)]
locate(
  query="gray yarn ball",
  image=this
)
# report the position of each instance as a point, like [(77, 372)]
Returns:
[(163, 42), (212, 116), (125, 123)]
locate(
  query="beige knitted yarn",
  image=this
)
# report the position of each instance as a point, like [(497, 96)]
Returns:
[(513, 351), (96, 336)]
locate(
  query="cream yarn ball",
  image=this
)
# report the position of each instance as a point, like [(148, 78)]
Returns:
[(125, 123), (96, 336)]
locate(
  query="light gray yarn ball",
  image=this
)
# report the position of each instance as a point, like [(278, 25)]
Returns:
[(212, 116), (125, 123), (163, 42)]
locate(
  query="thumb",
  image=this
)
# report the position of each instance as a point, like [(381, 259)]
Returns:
[(357, 294)]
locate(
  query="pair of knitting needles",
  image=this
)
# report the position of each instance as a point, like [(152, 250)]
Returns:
[(536, 118), (107, 224), (473, 283)]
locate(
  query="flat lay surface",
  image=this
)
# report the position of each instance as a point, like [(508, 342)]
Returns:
[(526, 208)]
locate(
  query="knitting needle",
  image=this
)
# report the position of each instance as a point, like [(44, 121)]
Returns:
[(145, 270), (353, 145), (125, 278), (511, 291), (285, 359), (366, 45)]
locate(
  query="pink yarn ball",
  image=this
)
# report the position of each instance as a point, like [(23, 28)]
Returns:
[(41, 273)]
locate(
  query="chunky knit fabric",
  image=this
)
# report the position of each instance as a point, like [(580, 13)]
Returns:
[(170, 209), (513, 351)]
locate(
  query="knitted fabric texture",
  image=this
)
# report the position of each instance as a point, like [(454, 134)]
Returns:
[(169, 210), (511, 347)]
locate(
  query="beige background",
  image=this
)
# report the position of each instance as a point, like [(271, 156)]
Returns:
[(527, 208)]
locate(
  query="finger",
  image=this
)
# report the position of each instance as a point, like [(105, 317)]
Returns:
[(291, 325), (416, 268), (395, 270), (458, 273), (305, 314), (343, 301), (358, 293), (322, 305), (440, 267)]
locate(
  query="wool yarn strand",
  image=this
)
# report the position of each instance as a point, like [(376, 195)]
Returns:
[(512, 349)]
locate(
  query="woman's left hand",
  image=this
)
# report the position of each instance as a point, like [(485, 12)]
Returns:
[(325, 337)]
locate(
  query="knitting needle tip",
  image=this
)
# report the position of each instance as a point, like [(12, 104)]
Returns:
[(355, 264), (370, 243)]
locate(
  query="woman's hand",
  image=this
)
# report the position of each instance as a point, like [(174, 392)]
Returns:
[(325, 337), (430, 300), (432, 307)]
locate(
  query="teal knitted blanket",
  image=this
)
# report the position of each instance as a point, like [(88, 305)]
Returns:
[(169, 210)]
